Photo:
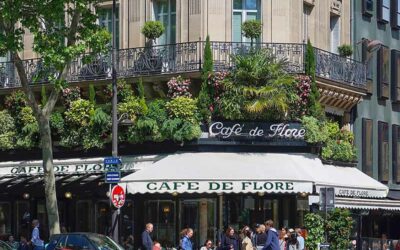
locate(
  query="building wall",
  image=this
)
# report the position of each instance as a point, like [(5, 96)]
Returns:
[(284, 21), (372, 107)]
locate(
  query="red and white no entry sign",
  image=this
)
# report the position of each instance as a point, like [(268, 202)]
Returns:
[(118, 196)]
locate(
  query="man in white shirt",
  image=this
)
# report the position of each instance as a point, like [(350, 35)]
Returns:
[(36, 241), (300, 239)]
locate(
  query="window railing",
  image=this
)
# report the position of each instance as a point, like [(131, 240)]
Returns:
[(185, 57)]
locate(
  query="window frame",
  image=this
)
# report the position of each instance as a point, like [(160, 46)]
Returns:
[(169, 39), (395, 14), (108, 20), (383, 172), (364, 8), (244, 13), (380, 8)]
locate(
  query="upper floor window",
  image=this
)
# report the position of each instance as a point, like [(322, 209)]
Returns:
[(243, 10), (105, 20), (395, 76), (335, 33), (165, 12), (367, 7), (383, 151), (367, 146), (384, 11), (395, 15)]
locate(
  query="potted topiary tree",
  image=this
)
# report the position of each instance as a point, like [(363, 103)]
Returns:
[(252, 29), (345, 50), (150, 59), (153, 30)]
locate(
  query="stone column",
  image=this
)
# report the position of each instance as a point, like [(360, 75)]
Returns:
[(203, 220)]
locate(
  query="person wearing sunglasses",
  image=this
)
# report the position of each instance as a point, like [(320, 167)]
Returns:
[(207, 245)]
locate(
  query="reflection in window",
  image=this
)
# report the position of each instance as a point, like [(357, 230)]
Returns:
[(384, 11), (105, 20), (83, 216), (243, 10), (165, 12), (162, 215)]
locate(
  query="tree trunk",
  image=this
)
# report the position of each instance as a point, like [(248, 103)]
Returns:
[(49, 177)]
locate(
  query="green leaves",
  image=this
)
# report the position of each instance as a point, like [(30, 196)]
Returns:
[(315, 229), (252, 29), (153, 29)]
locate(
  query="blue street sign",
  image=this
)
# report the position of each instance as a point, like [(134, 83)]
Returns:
[(112, 161), (113, 177)]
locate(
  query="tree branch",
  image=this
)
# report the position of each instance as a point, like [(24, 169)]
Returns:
[(71, 38), (25, 83)]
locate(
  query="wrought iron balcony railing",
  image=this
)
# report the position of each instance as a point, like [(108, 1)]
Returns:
[(185, 57)]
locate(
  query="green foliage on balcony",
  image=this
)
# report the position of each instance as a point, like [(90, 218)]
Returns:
[(153, 29), (252, 29)]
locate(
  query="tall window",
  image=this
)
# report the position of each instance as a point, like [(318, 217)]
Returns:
[(383, 149), (165, 12), (243, 10), (396, 153), (367, 146), (383, 11), (395, 15), (335, 33), (306, 16), (105, 20)]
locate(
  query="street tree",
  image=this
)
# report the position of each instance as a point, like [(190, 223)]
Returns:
[(62, 31)]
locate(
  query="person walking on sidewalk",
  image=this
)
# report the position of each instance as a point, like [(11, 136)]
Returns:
[(272, 242), (147, 242), (186, 242), (36, 241)]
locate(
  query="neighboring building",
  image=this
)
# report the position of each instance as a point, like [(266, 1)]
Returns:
[(376, 40), (280, 194)]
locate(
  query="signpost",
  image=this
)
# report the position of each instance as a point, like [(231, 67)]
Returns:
[(326, 203), (118, 196), (117, 193)]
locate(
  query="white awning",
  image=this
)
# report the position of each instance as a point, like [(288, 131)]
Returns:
[(246, 173), (224, 173), (369, 204), (349, 181)]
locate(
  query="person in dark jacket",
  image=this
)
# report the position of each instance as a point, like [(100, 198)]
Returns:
[(272, 242), (230, 241), (260, 236), (147, 242)]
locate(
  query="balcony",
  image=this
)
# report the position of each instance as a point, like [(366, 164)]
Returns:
[(187, 58)]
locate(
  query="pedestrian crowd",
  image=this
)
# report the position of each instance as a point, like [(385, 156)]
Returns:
[(35, 242), (264, 237)]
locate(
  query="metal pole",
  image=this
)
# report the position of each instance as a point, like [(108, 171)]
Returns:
[(114, 84), (114, 108)]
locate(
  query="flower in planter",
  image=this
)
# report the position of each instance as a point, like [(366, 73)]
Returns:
[(70, 95), (178, 87)]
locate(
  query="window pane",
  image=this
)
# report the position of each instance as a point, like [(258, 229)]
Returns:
[(385, 14), (237, 5), (74, 242), (370, 5), (367, 146), (386, 3), (386, 64), (236, 27), (5, 218), (251, 4), (172, 37), (398, 6)]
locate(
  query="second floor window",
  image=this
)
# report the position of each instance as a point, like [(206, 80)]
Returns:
[(335, 33), (105, 20), (384, 11), (165, 12), (243, 10), (395, 15)]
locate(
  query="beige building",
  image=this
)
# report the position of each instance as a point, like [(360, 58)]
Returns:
[(325, 22)]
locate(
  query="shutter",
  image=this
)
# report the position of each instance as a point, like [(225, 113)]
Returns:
[(383, 65), (367, 146), (394, 7), (396, 153), (395, 84), (383, 152)]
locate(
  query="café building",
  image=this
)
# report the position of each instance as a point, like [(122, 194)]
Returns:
[(241, 174)]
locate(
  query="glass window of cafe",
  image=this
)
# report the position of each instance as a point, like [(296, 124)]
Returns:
[(170, 216)]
